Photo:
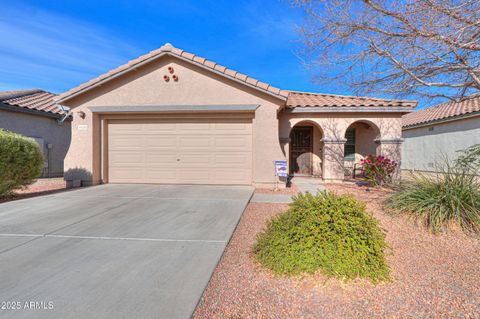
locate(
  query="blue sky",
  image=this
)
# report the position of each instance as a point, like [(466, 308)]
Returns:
[(56, 45)]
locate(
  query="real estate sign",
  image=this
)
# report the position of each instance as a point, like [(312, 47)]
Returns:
[(281, 168)]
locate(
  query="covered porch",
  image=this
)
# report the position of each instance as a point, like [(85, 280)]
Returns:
[(331, 147)]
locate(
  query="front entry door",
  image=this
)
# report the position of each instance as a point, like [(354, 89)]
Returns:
[(301, 148)]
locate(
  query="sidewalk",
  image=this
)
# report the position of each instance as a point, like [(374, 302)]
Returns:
[(308, 184)]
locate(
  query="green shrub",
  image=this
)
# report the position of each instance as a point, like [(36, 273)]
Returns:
[(21, 161), (328, 233), (451, 196)]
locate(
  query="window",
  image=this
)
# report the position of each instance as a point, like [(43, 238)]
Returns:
[(430, 129), (349, 153)]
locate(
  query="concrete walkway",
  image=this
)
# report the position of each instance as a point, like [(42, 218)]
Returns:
[(308, 184)]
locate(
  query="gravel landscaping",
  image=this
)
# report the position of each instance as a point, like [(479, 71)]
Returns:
[(42, 186), (433, 276)]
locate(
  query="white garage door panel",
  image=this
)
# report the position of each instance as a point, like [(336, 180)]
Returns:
[(181, 151)]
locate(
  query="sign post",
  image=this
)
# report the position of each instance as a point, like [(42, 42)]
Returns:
[(280, 171)]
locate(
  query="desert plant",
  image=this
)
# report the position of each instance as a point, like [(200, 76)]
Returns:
[(470, 159), (439, 200), (326, 232), (21, 161), (378, 169)]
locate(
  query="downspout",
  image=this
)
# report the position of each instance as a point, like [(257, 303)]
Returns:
[(65, 110)]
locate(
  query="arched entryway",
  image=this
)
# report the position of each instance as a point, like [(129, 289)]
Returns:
[(305, 158), (361, 137)]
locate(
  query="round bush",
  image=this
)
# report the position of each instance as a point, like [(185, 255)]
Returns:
[(329, 233), (21, 161)]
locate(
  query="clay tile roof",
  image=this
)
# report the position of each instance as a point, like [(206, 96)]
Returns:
[(305, 99), (35, 99), (446, 110), (169, 49)]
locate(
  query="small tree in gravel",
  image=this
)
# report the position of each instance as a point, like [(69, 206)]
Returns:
[(21, 161)]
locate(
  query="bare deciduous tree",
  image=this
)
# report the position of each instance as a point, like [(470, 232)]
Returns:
[(412, 47)]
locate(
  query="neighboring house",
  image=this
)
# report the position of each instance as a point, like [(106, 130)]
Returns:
[(439, 132), (173, 117), (33, 113)]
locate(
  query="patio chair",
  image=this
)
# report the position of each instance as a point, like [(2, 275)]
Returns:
[(358, 167)]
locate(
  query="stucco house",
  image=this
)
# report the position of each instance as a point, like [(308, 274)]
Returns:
[(439, 132), (33, 113), (173, 117)]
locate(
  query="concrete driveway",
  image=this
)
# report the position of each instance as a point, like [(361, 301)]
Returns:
[(114, 251)]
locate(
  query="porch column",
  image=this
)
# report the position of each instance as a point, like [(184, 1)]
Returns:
[(392, 149), (285, 145), (333, 159)]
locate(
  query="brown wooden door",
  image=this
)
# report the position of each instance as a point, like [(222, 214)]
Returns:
[(301, 148)]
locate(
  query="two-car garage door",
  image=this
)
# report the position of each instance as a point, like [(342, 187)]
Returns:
[(200, 151)]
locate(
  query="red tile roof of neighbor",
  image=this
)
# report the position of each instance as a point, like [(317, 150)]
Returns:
[(37, 100), (443, 111), (294, 99)]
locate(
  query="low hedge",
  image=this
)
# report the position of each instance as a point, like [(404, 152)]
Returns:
[(21, 161), (329, 233)]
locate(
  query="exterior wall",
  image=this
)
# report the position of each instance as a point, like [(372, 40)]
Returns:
[(422, 148), (145, 86), (334, 126), (42, 128)]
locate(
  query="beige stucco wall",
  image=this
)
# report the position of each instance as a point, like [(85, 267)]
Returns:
[(333, 127), (146, 86), (422, 147)]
